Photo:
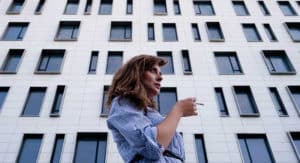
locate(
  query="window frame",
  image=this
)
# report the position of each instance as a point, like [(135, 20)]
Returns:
[(169, 25), (160, 13), (6, 59), (71, 2), (57, 136), (198, 4), (100, 12), (103, 104), (286, 25), (252, 26), (149, 26), (21, 25), (256, 112), (268, 29), (226, 110), (163, 54), (62, 25), (50, 52), (228, 54), (247, 13), (9, 9), (6, 89), (265, 11), (280, 102), (21, 146), (113, 53), (185, 53), (126, 25), (208, 26), (288, 88), (129, 3), (283, 56), (88, 7), (201, 136), (166, 89), (289, 134), (32, 88), (195, 26), (176, 4), (57, 114), (42, 3), (93, 71), (291, 8)]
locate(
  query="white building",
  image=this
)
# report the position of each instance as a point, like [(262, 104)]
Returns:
[(240, 58)]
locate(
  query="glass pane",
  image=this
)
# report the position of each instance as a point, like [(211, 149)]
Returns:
[(151, 32), (86, 151), (263, 8), (34, 102), (186, 62), (279, 63), (57, 99), (30, 150), (129, 7), (176, 8), (3, 93), (294, 30), (251, 32), (269, 32), (214, 32), (15, 32), (295, 90), (277, 102), (287, 9), (160, 6), (67, 32), (240, 8), (117, 32), (54, 63), (169, 32), (93, 63), (296, 141), (12, 62), (16, 7), (245, 101), (221, 101), (71, 8), (168, 68), (235, 64), (40, 6), (200, 149), (167, 99), (259, 150), (104, 99), (57, 149), (113, 63), (101, 150), (245, 150), (105, 7), (196, 32), (224, 65), (206, 8)]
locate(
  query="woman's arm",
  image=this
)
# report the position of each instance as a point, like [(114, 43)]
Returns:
[(167, 128)]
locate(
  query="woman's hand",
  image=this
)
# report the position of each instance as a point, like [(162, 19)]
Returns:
[(187, 107)]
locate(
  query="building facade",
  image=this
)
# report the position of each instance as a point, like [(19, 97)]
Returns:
[(241, 58)]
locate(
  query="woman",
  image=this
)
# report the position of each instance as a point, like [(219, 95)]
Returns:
[(140, 132)]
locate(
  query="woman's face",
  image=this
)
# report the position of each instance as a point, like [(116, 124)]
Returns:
[(151, 80)]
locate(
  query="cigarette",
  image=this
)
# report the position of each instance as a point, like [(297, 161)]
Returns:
[(199, 103)]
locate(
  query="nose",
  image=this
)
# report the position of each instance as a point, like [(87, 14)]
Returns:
[(159, 77)]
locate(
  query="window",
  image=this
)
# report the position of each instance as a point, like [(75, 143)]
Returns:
[(196, 33), (12, 61), (105, 7), (104, 111), (88, 7), (129, 8), (160, 7), (214, 31), (71, 7), (30, 148), (15, 31), (15, 7), (67, 30), (169, 32), (177, 10), (270, 32), (151, 32), (3, 94), (57, 149), (93, 62), (294, 31), (286, 8), (278, 104), (90, 148), (295, 140), (50, 61), (58, 98), (114, 61), (278, 62), (294, 92), (186, 64), (203, 8), (34, 101), (165, 100), (255, 148), (245, 101), (168, 68), (120, 31), (228, 63), (39, 7), (200, 148), (240, 8), (251, 33), (263, 8), (221, 102)]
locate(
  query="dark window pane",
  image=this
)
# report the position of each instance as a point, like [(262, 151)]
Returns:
[(166, 100), (15, 6), (294, 30), (30, 148), (3, 94), (57, 150), (295, 136), (263, 8), (228, 63), (90, 148), (71, 7), (196, 33), (214, 32), (203, 8), (251, 32), (176, 7), (277, 102), (104, 110), (221, 102), (160, 7), (240, 8), (114, 61), (12, 60), (255, 148), (278, 62), (151, 32), (245, 100), (201, 152), (51, 61), (93, 62), (56, 106), (168, 68), (270, 32), (40, 6), (120, 31), (88, 6), (295, 94), (169, 32), (129, 7), (15, 31), (67, 31), (286, 8), (34, 101), (186, 61), (105, 7)]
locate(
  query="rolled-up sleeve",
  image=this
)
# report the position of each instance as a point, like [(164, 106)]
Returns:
[(137, 130)]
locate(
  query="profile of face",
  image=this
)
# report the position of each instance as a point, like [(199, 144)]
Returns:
[(151, 80)]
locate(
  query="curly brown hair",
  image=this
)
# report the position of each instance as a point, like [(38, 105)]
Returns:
[(127, 81)]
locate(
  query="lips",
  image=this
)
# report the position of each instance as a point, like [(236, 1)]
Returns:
[(157, 85)]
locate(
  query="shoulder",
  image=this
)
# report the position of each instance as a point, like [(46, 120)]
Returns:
[(120, 105)]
